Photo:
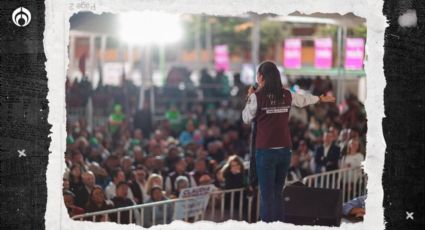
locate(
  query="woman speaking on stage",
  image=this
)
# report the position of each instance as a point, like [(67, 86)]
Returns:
[(269, 107)]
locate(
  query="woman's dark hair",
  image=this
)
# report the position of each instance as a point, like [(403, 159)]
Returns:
[(90, 205), (235, 158), (115, 172), (273, 87), (120, 184)]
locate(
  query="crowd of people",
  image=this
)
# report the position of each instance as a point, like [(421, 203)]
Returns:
[(129, 160), (178, 84)]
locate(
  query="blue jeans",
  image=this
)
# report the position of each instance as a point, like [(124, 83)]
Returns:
[(272, 166)]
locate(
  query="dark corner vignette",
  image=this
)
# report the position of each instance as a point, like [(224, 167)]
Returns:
[(403, 125), (24, 130)]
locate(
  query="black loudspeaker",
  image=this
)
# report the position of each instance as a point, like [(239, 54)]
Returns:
[(312, 206)]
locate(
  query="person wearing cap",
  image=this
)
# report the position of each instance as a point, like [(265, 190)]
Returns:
[(156, 194), (354, 210), (181, 183), (68, 198), (69, 140), (179, 170)]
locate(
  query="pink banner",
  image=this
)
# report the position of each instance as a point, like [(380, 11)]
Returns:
[(292, 52), (323, 53), (354, 53), (221, 57)]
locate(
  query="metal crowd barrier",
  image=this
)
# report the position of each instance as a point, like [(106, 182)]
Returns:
[(239, 207), (136, 210), (217, 201), (218, 198), (352, 182)]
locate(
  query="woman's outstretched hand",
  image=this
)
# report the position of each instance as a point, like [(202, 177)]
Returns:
[(328, 99)]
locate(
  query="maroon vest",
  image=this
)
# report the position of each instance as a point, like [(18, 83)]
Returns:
[(272, 122)]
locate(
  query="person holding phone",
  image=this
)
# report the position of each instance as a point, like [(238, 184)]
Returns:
[(269, 106)]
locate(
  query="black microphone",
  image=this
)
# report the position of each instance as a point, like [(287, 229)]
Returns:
[(255, 87)]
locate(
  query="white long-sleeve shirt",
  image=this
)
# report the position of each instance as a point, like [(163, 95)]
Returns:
[(299, 100), (168, 186), (352, 161), (110, 192)]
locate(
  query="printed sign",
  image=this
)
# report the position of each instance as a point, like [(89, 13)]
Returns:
[(284, 109), (354, 53), (323, 53), (193, 207), (292, 52), (113, 72), (221, 57)]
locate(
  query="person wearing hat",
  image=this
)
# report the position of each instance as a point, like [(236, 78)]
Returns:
[(354, 210), (181, 183), (156, 194), (179, 170), (68, 198)]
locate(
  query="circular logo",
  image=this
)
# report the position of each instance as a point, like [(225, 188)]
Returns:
[(21, 17)]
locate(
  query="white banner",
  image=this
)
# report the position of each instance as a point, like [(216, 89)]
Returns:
[(193, 207)]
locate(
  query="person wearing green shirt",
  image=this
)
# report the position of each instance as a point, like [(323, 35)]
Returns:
[(116, 119), (174, 118)]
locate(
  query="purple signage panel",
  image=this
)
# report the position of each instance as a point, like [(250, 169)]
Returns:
[(292, 52), (323, 53), (354, 53), (221, 57)]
